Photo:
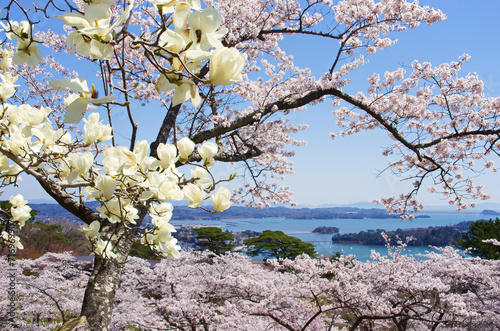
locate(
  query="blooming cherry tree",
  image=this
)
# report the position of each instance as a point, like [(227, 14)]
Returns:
[(443, 290)]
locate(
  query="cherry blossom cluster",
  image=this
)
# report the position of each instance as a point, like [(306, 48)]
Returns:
[(48, 289), (447, 123), (282, 87), (380, 18), (200, 291)]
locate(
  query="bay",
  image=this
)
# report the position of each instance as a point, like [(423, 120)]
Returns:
[(302, 229)]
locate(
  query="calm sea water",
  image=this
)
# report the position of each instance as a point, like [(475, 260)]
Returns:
[(302, 229)]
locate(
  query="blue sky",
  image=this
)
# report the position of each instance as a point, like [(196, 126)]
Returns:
[(346, 170)]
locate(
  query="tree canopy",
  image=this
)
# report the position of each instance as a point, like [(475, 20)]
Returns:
[(201, 291), (278, 245), (214, 239)]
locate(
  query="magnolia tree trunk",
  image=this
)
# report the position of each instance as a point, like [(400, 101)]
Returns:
[(99, 296), (98, 300)]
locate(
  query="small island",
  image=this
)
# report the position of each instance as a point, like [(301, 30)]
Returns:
[(490, 212), (326, 230)]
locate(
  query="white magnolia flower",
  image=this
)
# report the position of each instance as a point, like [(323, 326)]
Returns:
[(184, 89), (10, 239), (201, 176), (93, 36), (8, 170), (221, 200), (161, 215), (170, 248), (106, 186), (27, 48), (20, 211), (226, 66), (31, 119), (92, 230), (194, 194), (169, 190), (21, 215), (119, 160), (5, 58), (17, 201), (162, 222), (77, 103), (144, 162), (7, 86), (104, 248), (164, 233), (29, 55), (205, 24), (19, 143), (47, 137), (96, 131), (185, 147), (80, 164), (116, 210)]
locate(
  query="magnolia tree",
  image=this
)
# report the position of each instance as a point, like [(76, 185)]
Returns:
[(226, 89)]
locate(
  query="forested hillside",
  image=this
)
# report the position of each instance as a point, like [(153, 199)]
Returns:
[(431, 236)]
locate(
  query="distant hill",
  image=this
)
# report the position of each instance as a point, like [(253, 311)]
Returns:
[(48, 212), (52, 211)]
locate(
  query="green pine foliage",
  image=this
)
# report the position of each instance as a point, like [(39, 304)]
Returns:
[(214, 239), (276, 244), (479, 231)]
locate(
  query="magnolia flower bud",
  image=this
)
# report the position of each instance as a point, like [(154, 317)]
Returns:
[(194, 194), (221, 200), (185, 147), (80, 164), (167, 154), (226, 66)]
